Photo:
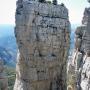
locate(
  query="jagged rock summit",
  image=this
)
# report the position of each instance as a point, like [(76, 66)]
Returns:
[(43, 35)]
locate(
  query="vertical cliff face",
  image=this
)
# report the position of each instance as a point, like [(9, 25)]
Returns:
[(81, 56), (43, 35), (85, 68), (3, 79)]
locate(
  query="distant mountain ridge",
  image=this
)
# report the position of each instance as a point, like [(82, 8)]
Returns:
[(7, 56), (72, 36), (8, 47)]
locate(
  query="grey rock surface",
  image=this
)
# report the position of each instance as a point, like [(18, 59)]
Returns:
[(81, 55), (85, 66), (43, 37), (3, 78)]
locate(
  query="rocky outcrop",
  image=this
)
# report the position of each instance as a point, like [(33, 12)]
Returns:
[(81, 55), (3, 78), (43, 35), (85, 66)]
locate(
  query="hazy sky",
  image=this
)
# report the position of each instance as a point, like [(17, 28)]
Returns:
[(76, 8)]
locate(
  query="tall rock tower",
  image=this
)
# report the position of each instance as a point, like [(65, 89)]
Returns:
[(81, 55), (43, 35)]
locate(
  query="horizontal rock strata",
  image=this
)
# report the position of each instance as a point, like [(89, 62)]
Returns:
[(43, 35)]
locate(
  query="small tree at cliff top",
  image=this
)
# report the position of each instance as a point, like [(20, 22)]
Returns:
[(55, 2), (89, 1), (42, 1)]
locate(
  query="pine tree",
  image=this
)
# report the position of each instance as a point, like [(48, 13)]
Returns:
[(89, 1), (55, 2), (42, 1)]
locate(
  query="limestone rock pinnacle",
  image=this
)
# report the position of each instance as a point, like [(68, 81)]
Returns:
[(43, 37), (81, 55)]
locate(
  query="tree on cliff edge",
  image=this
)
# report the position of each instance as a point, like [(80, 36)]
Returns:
[(55, 2), (89, 1), (42, 1)]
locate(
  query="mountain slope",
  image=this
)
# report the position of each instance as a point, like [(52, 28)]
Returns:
[(8, 47)]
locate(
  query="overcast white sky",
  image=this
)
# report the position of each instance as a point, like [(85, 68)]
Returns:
[(76, 8)]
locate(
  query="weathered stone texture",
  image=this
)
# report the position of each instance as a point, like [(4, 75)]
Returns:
[(85, 17), (3, 78), (85, 65), (42, 32)]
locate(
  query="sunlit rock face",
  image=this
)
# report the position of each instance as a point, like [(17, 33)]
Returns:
[(43, 35), (3, 78)]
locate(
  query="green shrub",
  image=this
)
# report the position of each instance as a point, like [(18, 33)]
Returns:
[(11, 74)]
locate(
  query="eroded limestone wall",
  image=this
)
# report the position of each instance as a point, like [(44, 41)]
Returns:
[(43, 35), (85, 65)]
